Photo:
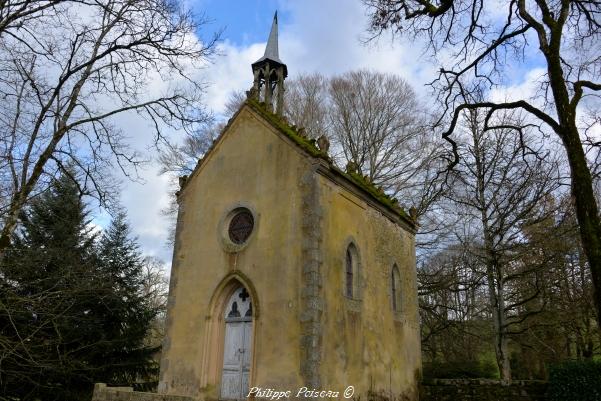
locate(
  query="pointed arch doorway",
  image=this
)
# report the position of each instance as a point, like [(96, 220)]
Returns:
[(237, 345)]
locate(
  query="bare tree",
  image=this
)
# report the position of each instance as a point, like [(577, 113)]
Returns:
[(308, 105), (156, 289), (235, 100), (180, 159), (14, 13), (546, 280), (496, 189), (376, 120), (376, 125), (566, 327), (454, 319), (481, 37), (68, 73)]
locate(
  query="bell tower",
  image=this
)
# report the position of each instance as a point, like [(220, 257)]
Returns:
[(269, 73)]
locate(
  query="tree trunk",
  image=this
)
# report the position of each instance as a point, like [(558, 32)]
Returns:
[(10, 223), (494, 269), (495, 294), (587, 212)]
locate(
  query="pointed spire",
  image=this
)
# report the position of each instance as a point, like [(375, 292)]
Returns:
[(271, 50)]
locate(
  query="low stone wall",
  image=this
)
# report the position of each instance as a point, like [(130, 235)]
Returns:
[(482, 390), (104, 393)]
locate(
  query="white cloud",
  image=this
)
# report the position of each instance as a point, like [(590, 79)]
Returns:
[(526, 89), (144, 202), (230, 72), (146, 194)]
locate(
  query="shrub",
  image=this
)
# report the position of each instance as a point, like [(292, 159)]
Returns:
[(466, 369), (575, 381)]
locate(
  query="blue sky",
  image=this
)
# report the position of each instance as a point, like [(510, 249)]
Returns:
[(244, 21)]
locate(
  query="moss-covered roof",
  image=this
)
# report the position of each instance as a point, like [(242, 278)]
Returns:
[(310, 146)]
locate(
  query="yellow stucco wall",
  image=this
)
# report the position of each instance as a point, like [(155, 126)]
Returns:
[(361, 343), (366, 344), (251, 166)]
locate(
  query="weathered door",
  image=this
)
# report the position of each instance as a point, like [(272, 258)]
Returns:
[(237, 346)]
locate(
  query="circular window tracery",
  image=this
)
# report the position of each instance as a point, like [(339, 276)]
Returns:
[(237, 227), (241, 226)]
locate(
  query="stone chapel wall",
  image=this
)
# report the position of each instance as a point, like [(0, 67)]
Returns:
[(366, 343), (251, 167)]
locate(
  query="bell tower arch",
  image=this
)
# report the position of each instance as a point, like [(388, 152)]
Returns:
[(269, 73)]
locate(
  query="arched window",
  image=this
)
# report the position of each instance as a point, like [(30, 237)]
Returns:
[(395, 286), (351, 272)]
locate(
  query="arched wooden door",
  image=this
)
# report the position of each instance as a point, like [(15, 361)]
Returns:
[(237, 346)]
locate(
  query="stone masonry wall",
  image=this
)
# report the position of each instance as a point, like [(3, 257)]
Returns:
[(311, 297), (482, 390)]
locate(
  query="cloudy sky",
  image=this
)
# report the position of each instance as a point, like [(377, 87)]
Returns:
[(315, 35)]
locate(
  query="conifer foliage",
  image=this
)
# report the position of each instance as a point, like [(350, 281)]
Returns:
[(72, 310)]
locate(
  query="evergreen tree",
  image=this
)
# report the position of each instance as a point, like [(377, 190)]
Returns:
[(128, 313), (70, 310), (47, 286)]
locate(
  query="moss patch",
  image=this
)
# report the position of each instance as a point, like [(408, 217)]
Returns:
[(305, 143), (377, 193)]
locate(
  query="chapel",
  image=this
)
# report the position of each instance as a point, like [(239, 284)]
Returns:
[(288, 272)]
